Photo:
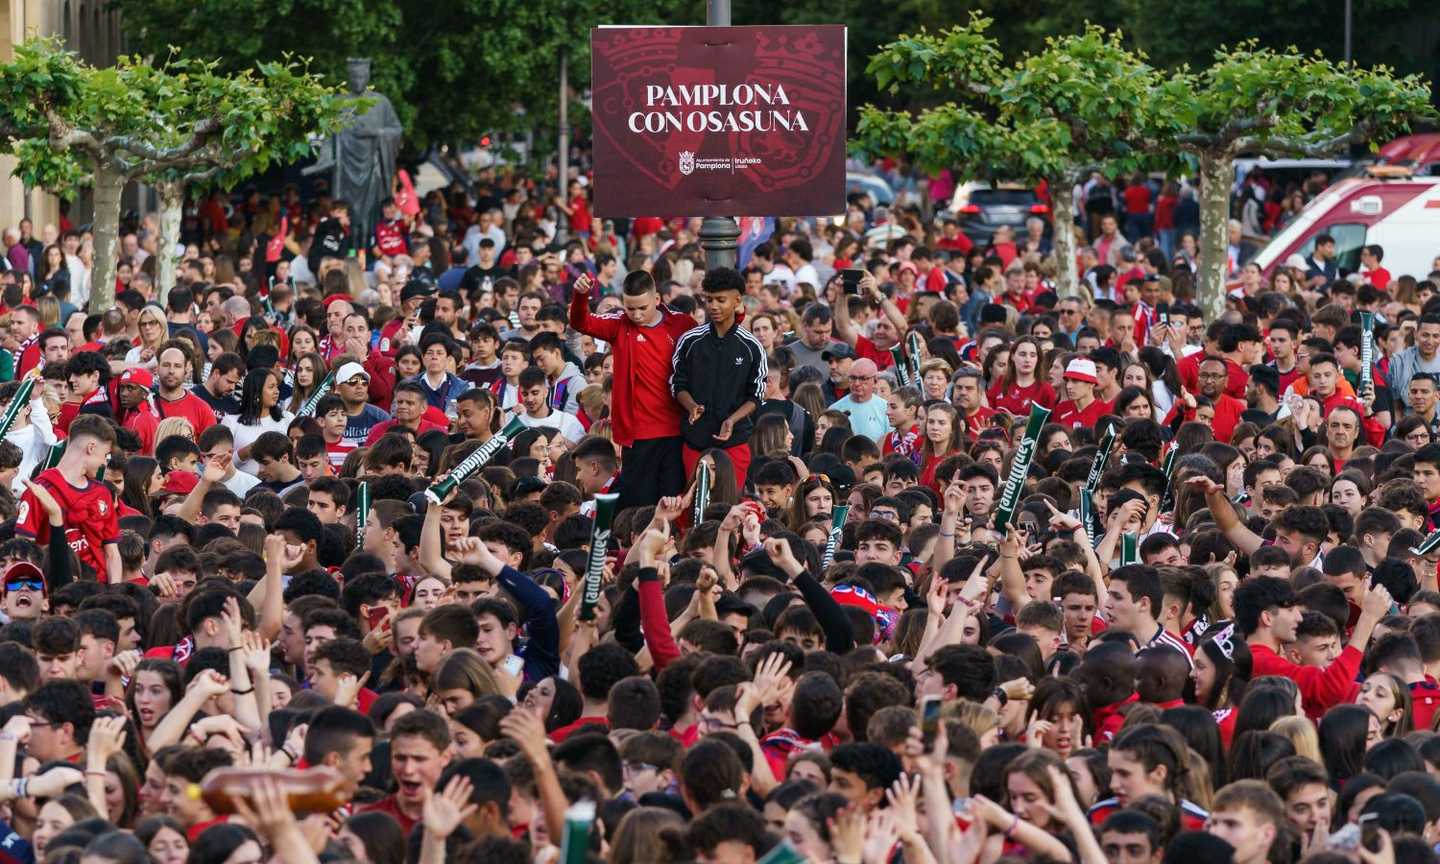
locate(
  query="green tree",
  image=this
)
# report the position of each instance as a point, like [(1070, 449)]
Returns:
[(1083, 101), (70, 124), (1258, 101), (452, 70)]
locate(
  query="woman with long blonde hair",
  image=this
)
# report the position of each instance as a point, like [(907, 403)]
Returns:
[(154, 330)]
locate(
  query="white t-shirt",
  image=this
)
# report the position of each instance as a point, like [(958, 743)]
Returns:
[(566, 424), (246, 435)]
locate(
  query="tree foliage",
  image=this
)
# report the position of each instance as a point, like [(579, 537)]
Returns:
[(452, 70), (1260, 101), (69, 124), (1083, 101)]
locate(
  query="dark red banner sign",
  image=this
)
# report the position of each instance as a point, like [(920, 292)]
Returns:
[(719, 121)]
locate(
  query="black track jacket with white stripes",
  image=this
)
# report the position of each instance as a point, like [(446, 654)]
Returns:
[(722, 373)]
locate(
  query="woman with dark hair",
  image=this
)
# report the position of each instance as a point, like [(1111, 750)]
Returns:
[(1220, 673), (219, 842), (1091, 773), (374, 838), (814, 498), (553, 698), (1261, 707), (1414, 431), (809, 822), (1056, 715), (1391, 756), (304, 377), (1346, 732), (260, 412), (142, 479), (723, 488), (164, 839), (1133, 402), (429, 446), (944, 436), (156, 686), (1166, 377), (1197, 726), (1254, 752)]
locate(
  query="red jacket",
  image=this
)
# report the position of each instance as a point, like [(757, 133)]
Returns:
[(1320, 689), (641, 406)]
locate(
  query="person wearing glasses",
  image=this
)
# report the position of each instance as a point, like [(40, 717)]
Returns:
[(867, 412)]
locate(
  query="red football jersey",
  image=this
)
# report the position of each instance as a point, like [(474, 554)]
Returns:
[(91, 518)]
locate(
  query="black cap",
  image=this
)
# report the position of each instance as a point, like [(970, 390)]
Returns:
[(416, 288), (838, 351)]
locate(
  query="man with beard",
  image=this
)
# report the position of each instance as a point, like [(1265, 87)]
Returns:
[(174, 400), (1214, 376), (1300, 531)]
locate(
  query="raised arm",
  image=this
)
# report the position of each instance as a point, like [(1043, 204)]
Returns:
[(583, 320), (839, 638), (432, 546), (1229, 522)]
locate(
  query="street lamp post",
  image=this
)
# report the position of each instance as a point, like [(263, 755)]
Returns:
[(719, 235), (562, 182)]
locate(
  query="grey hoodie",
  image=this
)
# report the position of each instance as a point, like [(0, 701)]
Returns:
[(570, 382)]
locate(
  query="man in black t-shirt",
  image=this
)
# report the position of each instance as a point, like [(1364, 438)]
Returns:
[(332, 236), (484, 274)]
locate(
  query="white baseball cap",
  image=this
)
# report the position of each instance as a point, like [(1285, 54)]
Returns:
[(349, 371)]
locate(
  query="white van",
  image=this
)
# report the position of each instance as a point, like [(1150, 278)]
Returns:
[(1388, 207)]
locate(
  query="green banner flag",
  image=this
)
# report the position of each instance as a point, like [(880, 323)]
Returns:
[(902, 372), (308, 408), (17, 404), (1129, 549), (599, 544), (702, 492), (474, 462), (1102, 456), (575, 845), (1020, 466), (1087, 515), (1367, 352), (783, 853), (838, 514), (362, 512), (1167, 501), (1427, 545), (912, 354), (56, 451)]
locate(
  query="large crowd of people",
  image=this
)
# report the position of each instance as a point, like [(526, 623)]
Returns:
[(908, 557)]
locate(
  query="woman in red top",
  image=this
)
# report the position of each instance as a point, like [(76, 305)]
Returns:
[(944, 437), (1022, 384)]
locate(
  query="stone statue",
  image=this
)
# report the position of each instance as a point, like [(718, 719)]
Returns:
[(360, 159)]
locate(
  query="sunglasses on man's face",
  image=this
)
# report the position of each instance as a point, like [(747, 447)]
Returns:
[(25, 585)]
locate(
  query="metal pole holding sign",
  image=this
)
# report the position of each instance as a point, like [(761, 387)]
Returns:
[(719, 235)]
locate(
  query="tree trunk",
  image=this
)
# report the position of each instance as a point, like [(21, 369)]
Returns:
[(1067, 271), (172, 202), (108, 184), (1215, 174)]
